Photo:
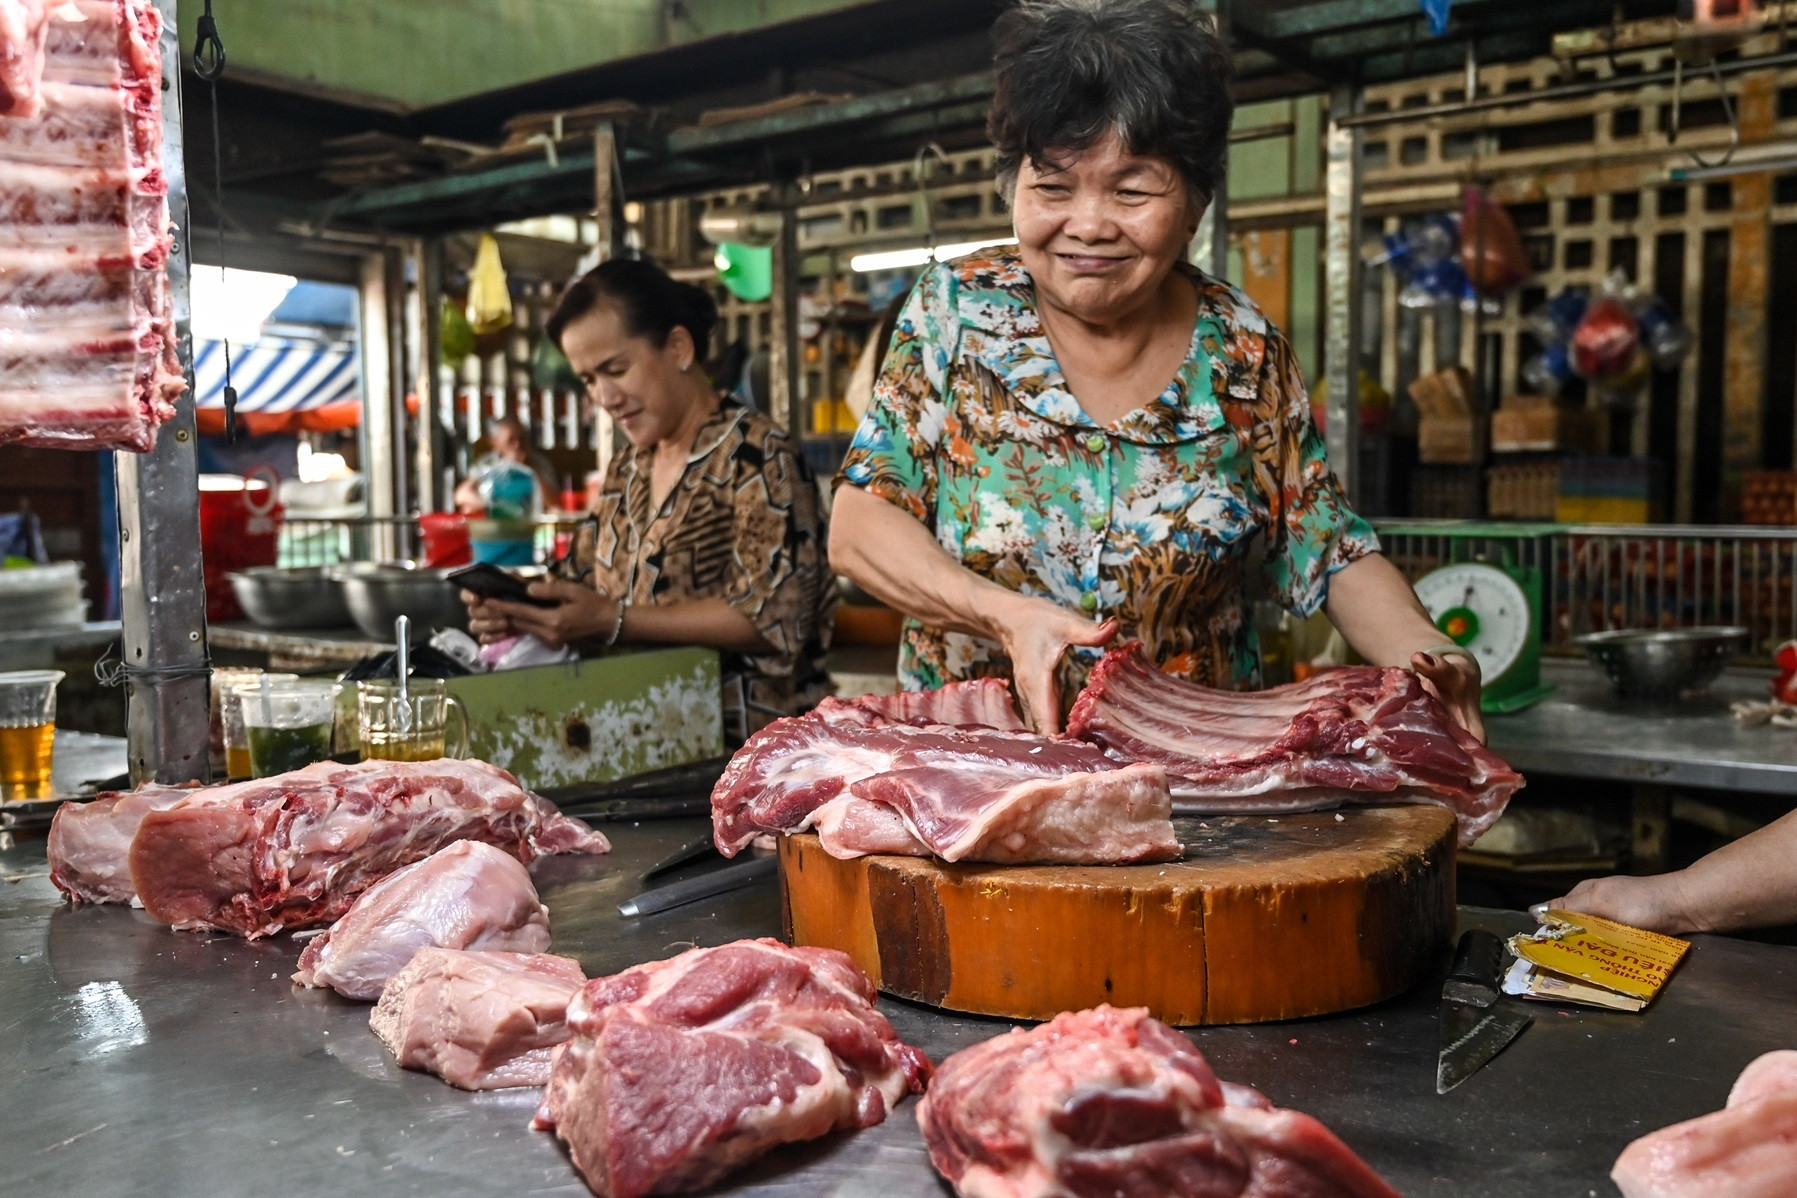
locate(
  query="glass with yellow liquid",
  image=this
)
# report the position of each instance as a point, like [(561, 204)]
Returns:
[(27, 733), (230, 720), (412, 728), (223, 679)]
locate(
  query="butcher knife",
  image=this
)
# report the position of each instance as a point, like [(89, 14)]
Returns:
[(1476, 1022), (736, 875)]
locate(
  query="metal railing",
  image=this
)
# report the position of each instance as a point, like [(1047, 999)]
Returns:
[(329, 542), (1597, 577)]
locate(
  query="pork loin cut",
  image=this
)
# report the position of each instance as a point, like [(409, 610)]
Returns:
[(1112, 1102), (1359, 734), (89, 842), (681, 1070), (959, 793), (294, 851), (983, 702), (469, 895), (480, 1020), (1746, 1150), (87, 338)]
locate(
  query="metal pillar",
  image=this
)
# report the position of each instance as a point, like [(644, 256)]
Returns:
[(378, 432), (1341, 283), (427, 259), (787, 407), (608, 203), (163, 593)]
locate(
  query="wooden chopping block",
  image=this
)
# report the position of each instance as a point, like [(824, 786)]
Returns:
[(1265, 918)]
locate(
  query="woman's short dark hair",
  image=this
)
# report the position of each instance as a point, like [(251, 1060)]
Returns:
[(652, 304), (1071, 71)]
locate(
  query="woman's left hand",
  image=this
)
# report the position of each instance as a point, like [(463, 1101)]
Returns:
[(1455, 680), (581, 613)]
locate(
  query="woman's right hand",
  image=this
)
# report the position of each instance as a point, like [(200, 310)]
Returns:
[(1035, 634), (486, 623)]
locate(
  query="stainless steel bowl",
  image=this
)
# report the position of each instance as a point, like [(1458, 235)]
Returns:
[(377, 595), (290, 597), (1661, 664)]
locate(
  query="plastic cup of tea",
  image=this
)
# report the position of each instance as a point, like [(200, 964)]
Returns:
[(287, 724), (223, 679), (27, 733), (409, 727), (230, 719)]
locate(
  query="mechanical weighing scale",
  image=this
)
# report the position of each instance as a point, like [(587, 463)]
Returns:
[(1485, 602)]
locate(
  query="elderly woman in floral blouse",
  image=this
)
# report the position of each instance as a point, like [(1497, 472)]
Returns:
[(1083, 437)]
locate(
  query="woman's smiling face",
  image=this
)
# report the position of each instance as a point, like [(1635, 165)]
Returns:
[(1099, 228)]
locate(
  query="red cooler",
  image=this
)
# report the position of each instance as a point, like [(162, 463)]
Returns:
[(240, 526)]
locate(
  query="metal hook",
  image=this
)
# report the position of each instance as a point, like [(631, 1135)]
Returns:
[(208, 48), (1728, 110)]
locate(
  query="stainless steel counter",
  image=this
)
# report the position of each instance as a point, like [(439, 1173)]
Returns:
[(1584, 731), (139, 1061)]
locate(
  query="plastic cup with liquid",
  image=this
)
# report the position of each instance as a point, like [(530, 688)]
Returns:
[(230, 720), (288, 725), (27, 733)]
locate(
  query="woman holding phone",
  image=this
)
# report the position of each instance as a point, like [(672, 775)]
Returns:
[(708, 529)]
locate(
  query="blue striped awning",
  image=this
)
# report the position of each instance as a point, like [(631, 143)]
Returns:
[(277, 374)]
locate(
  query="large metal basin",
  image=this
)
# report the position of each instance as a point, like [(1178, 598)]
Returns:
[(1663, 663), (378, 595), (291, 597)]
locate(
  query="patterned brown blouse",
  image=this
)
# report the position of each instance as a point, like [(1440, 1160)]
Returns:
[(744, 524)]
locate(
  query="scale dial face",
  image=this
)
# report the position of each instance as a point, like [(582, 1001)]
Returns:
[(1481, 608)]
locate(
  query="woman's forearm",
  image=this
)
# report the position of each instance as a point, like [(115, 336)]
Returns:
[(1378, 613), (710, 622), (894, 558), (1749, 883)]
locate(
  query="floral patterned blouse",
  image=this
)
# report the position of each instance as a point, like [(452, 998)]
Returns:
[(744, 524), (1154, 520)]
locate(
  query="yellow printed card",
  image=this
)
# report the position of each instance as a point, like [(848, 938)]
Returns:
[(1602, 953)]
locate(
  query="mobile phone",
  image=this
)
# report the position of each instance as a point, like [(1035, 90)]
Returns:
[(490, 582)]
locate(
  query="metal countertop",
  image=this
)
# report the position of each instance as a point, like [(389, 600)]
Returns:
[(1584, 731), (135, 1060)]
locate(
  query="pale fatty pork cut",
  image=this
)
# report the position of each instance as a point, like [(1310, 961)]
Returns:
[(479, 1019), (295, 851), (85, 312), (1110, 1102), (90, 843), (915, 775), (1356, 734), (1748, 1149), (469, 895), (681, 1070)]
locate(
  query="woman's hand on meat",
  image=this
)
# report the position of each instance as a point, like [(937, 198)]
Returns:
[(1036, 633), (581, 613), (1454, 677)]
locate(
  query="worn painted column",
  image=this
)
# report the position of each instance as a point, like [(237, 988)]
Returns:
[(1341, 287), (427, 260), (375, 336), (783, 374), (1749, 252), (608, 239), (162, 586)]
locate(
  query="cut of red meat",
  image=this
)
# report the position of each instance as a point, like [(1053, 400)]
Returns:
[(964, 794), (1744, 1150), (681, 1070), (295, 850), (87, 339), (984, 702), (89, 843), (1111, 1103), (1358, 734), (477, 1019), (469, 895)]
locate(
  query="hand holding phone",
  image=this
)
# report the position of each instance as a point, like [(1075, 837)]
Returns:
[(490, 582)]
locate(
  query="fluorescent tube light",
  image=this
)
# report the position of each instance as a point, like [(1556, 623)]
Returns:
[(901, 259)]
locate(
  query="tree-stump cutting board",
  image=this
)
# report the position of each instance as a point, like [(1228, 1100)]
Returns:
[(1265, 918)]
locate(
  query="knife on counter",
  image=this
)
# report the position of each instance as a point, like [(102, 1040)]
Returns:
[(735, 876), (1476, 1022)]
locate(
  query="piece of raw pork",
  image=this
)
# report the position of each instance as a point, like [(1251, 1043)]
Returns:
[(86, 323), (89, 842), (1358, 734), (480, 1020), (880, 775), (681, 1070), (1112, 1102), (1746, 1150), (294, 851), (469, 895)]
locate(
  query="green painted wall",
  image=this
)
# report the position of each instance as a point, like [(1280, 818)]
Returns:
[(1286, 166), (421, 52)]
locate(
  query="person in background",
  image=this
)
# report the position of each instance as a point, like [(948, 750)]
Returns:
[(708, 528), (507, 441), (1751, 883)]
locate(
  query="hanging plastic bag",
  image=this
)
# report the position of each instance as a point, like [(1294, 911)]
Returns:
[(1663, 335), (1604, 344), (489, 297), (1491, 251), (455, 340)]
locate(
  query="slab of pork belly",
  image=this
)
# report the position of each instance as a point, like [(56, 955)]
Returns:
[(1113, 1102), (479, 1020), (89, 843), (295, 850), (469, 895), (681, 1070), (1746, 1150)]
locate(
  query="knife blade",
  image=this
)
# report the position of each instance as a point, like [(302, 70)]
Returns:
[(1476, 1024), (734, 876)]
